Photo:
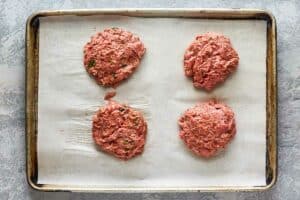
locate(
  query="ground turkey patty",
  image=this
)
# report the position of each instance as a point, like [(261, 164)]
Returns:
[(207, 128), (112, 56), (209, 60), (119, 130)]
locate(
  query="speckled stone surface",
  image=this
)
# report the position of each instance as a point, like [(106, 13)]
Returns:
[(13, 14)]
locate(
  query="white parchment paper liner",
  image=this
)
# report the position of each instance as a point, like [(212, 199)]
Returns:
[(68, 98)]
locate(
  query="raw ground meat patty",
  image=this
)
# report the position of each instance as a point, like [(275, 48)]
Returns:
[(207, 128), (112, 56), (119, 130), (209, 60)]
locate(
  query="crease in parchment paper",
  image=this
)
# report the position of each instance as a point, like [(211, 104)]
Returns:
[(69, 97)]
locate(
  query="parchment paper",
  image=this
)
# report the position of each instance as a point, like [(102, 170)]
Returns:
[(68, 98)]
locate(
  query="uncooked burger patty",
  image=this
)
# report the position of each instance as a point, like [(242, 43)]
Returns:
[(209, 60), (207, 128), (119, 130), (112, 55)]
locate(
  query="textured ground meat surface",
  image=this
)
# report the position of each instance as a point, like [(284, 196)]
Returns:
[(112, 56), (207, 128), (209, 60), (110, 94), (119, 130)]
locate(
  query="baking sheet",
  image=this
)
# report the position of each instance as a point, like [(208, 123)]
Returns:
[(68, 98)]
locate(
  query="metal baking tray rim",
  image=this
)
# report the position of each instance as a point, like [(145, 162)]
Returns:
[(31, 48)]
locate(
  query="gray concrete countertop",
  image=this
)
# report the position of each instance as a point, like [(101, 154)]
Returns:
[(13, 15)]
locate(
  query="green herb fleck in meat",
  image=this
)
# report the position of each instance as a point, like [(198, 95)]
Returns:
[(91, 63), (126, 141)]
